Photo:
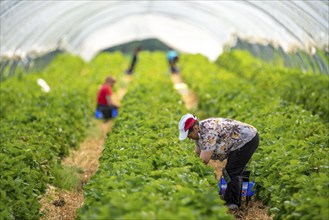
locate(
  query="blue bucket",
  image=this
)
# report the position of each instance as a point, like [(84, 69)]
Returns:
[(114, 112), (98, 114), (247, 187)]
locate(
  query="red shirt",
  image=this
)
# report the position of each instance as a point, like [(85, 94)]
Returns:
[(104, 91)]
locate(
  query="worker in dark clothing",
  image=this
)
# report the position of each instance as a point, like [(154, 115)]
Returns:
[(172, 57), (218, 139), (131, 68)]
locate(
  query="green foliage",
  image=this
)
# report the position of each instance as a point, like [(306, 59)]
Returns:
[(306, 89), (290, 167), (38, 129), (145, 172)]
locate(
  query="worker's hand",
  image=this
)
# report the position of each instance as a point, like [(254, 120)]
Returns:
[(205, 155)]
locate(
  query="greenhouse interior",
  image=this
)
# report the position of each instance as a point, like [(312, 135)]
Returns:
[(151, 109)]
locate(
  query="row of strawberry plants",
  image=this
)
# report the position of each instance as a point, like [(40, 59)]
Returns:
[(38, 128), (145, 172), (306, 89), (291, 165)]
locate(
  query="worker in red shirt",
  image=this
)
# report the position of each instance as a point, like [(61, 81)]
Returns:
[(104, 98)]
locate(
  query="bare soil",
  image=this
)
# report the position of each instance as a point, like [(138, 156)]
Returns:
[(189, 98), (61, 204)]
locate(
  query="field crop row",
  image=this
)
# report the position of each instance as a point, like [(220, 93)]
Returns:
[(38, 129), (145, 172), (291, 165), (305, 89)]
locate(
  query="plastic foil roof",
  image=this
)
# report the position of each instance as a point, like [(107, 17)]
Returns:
[(86, 27)]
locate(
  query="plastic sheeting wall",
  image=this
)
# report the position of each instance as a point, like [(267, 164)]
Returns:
[(86, 27)]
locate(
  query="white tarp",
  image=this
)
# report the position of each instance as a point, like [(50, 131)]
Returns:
[(85, 27)]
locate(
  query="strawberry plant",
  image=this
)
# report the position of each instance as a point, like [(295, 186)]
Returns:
[(145, 172), (291, 162), (38, 129), (306, 89)]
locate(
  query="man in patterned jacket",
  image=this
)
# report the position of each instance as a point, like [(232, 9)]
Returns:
[(218, 139)]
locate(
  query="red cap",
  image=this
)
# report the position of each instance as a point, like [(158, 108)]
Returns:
[(189, 123), (185, 123)]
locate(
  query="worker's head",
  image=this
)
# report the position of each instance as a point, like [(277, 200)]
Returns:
[(110, 80), (138, 49), (188, 126)]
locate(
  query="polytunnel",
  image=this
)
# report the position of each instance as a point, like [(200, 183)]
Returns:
[(97, 122), (86, 27)]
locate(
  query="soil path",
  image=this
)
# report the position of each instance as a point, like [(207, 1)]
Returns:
[(59, 204), (255, 210)]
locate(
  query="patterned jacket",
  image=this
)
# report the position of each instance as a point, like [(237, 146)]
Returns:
[(223, 136)]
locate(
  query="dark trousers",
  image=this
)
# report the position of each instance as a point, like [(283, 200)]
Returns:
[(236, 163), (106, 111)]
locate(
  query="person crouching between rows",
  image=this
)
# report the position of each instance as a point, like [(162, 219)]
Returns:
[(218, 139), (104, 98)]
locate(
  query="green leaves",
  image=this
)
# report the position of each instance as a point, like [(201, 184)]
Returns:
[(145, 172), (37, 129), (293, 126)]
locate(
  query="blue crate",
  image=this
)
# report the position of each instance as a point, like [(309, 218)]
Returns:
[(114, 112), (247, 188), (98, 114)]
